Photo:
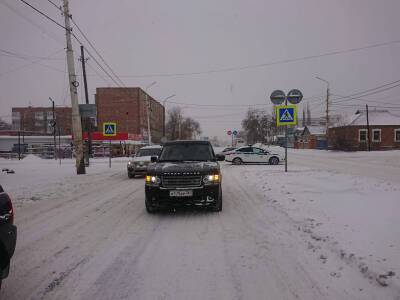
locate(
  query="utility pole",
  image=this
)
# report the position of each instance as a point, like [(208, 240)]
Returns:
[(53, 125), (19, 145), (86, 120), (84, 74), (73, 84), (327, 109), (368, 140), (327, 116)]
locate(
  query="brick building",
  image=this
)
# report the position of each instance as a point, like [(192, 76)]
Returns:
[(311, 137), (127, 107), (384, 132), (36, 120)]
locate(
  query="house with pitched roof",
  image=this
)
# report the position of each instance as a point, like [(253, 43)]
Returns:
[(383, 132)]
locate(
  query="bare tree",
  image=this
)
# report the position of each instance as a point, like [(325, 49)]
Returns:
[(258, 126), (180, 127)]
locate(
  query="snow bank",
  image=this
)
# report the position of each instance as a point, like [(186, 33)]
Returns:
[(345, 207)]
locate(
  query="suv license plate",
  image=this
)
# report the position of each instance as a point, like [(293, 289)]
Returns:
[(188, 193)]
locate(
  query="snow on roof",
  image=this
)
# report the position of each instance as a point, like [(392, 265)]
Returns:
[(376, 117), (316, 130)]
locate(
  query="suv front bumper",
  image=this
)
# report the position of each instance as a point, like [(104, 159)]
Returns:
[(207, 195)]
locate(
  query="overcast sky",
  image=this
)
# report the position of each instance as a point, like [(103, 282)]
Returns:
[(146, 37)]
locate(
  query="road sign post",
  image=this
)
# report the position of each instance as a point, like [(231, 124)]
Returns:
[(286, 114), (109, 130)]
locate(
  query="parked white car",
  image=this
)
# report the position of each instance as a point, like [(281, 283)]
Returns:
[(137, 165), (251, 154)]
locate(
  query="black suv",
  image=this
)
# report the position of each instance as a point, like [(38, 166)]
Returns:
[(8, 234), (187, 173)]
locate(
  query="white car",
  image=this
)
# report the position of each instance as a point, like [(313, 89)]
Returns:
[(137, 165), (250, 154)]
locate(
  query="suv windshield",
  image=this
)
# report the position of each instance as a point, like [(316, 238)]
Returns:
[(149, 152), (187, 152)]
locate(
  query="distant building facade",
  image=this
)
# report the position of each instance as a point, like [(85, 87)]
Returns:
[(37, 120), (311, 137), (128, 108), (384, 132)]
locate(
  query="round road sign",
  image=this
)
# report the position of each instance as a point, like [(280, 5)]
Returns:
[(234, 132), (294, 96), (277, 97), (229, 132)]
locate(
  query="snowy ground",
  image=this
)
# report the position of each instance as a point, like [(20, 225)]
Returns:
[(328, 229)]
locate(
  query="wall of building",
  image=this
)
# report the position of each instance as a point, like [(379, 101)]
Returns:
[(347, 138), (37, 119), (127, 107)]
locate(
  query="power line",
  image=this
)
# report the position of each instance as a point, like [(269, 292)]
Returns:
[(96, 61), (25, 56), (35, 62), (365, 100), (43, 14), (366, 91), (41, 29), (97, 73), (262, 65), (97, 52), (55, 5), (361, 105), (369, 94)]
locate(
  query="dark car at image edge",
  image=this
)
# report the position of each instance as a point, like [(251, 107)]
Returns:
[(8, 234), (186, 173)]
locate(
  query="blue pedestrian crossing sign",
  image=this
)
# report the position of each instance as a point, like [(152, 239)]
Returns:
[(286, 115), (109, 129)]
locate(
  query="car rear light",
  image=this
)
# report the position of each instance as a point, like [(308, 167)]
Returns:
[(6, 209)]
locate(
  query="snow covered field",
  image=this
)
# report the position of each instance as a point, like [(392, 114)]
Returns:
[(328, 229)]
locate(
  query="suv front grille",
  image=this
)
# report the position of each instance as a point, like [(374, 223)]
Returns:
[(174, 181)]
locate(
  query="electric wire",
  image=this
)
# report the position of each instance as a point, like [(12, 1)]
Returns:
[(97, 52), (43, 14)]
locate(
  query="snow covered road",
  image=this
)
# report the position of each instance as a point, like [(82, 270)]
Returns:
[(89, 237)]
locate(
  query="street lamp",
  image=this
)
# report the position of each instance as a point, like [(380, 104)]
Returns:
[(148, 110), (327, 108), (164, 103)]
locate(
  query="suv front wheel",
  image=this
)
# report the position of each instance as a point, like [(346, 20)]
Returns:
[(218, 204), (149, 206)]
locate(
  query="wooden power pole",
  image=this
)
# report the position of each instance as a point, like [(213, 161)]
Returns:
[(73, 84)]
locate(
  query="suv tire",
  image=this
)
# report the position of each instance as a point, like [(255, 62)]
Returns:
[(218, 205), (149, 207)]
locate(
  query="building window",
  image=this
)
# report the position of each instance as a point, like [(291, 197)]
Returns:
[(39, 115), (397, 135), (362, 135), (49, 115), (16, 120), (376, 135)]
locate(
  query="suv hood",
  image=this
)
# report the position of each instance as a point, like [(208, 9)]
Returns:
[(183, 167), (141, 158)]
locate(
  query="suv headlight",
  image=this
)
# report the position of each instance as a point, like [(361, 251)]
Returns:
[(211, 179), (153, 180)]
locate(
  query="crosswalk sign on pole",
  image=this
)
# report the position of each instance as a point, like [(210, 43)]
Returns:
[(109, 129), (286, 115)]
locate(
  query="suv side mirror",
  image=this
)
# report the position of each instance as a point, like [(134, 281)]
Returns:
[(154, 159), (220, 157)]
